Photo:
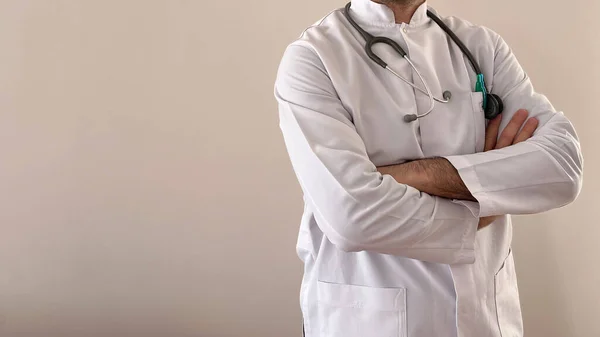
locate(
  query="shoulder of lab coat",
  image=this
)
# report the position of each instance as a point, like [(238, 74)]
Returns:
[(540, 174), (356, 207)]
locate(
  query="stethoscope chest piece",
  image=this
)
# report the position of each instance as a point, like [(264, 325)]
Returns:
[(447, 95), (492, 104)]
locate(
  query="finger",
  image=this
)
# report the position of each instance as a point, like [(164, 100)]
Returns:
[(491, 133), (527, 131), (510, 132), (485, 222)]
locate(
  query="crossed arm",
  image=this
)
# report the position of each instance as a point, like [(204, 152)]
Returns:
[(437, 176), (424, 210)]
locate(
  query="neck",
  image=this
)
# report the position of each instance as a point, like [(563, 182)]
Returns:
[(403, 9)]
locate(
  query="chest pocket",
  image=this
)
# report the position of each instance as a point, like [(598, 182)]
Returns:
[(357, 311), (479, 121), (454, 128)]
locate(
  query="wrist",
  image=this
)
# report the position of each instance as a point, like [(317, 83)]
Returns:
[(408, 173), (417, 173)]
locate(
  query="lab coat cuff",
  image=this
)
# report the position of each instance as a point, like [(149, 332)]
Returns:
[(473, 207), (467, 252), (468, 174)]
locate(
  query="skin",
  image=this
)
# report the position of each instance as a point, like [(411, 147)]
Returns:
[(437, 176), (510, 136), (403, 9)]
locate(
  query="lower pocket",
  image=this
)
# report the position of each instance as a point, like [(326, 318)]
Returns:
[(357, 311), (508, 305)]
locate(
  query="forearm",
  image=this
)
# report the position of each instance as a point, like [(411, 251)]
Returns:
[(435, 176), (353, 205), (532, 177), (539, 174)]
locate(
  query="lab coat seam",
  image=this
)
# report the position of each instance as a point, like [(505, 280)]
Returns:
[(427, 230), (466, 238), (323, 69), (313, 51), (473, 207), (427, 220), (470, 232), (333, 229), (510, 91), (470, 165), (538, 149), (468, 174), (561, 146), (391, 237), (345, 121), (488, 204), (496, 45), (434, 219), (341, 186), (374, 24), (496, 305), (319, 23), (379, 24), (308, 194), (471, 172), (363, 22), (525, 186), (507, 57), (289, 104), (459, 248), (451, 256)]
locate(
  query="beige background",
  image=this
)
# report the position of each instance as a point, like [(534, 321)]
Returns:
[(145, 190)]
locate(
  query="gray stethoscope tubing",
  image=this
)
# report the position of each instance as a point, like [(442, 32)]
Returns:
[(447, 94), (427, 91), (371, 40)]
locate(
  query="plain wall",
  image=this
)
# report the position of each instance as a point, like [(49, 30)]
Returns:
[(145, 189)]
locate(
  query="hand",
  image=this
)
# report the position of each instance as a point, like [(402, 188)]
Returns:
[(484, 222), (510, 135)]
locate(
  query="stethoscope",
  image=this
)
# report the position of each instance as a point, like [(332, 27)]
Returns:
[(492, 104)]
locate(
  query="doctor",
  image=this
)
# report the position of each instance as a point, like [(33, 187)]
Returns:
[(409, 172)]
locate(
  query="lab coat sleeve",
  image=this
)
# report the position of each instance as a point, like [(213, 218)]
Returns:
[(538, 175), (356, 207)]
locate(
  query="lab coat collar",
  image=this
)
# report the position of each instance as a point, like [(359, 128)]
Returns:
[(373, 13)]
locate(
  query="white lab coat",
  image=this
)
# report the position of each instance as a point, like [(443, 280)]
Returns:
[(381, 258)]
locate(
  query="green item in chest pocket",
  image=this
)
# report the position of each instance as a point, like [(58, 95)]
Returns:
[(492, 104), (480, 87)]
